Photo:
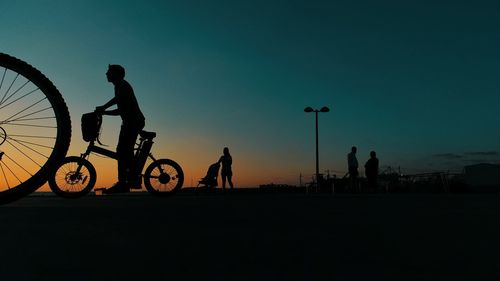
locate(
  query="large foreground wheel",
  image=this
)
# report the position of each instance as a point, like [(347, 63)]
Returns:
[(35, 128), (163, 177), (74, 178)]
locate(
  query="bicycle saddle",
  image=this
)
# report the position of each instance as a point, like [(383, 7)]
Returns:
[(147, 135)]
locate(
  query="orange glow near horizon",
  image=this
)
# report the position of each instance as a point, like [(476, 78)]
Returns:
[(247, 170)]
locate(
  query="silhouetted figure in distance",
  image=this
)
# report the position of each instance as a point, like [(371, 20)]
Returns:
[(226, 171), (371, 171), (132, 123), (352, 164)]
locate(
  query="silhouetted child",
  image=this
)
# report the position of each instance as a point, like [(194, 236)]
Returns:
[(352, 164), (226, 172), (371, 171), (132, 123)]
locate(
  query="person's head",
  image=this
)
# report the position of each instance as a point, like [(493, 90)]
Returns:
[(115, 73), (226, 151), (354, 149), (373, 154)]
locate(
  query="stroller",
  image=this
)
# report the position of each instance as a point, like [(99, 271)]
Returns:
[(210, 180)]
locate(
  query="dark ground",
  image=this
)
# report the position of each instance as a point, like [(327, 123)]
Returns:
[(252, 236)]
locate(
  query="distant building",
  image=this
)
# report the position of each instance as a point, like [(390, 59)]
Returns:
[(483, 175)]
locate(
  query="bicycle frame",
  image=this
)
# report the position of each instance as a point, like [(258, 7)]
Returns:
[(142, 152), (76, 176)]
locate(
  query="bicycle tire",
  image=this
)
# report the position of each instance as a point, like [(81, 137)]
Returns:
[(48, 115), (163, 177), (66, 183)]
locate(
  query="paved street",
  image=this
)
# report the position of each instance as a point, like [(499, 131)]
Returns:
[(252, 236)]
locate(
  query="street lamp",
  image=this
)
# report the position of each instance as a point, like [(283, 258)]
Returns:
[(308, 110)]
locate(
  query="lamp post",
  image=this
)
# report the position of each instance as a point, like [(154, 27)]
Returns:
[(308, 110)]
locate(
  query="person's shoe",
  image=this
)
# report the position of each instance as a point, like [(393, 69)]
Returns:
[(116, 188), (134, 184)]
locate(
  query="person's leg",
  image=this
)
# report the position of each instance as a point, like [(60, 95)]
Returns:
[(352, 175), (133, 174), (230, 180), (223, 181), (125, 152), (121, 156), (357, 184)]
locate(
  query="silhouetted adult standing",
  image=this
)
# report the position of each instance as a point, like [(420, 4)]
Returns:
[(132, 123), (226, 171), (352, 164), (371, 171)]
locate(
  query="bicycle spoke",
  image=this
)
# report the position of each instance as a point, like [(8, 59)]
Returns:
[(3, 77), (3, 173), (9, 119), (8, 90), (31, 143), (30, 125), (29, 119), (15, 92), (29, 157), (8, 168), (28, 136), (35, 151), (65, 169), (18, 98), (8, 122)]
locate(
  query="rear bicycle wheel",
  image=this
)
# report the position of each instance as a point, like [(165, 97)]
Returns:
[(35, 128), (163, 177), (74, 178)]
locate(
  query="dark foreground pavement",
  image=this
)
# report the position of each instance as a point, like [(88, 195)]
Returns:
[(252, 236)]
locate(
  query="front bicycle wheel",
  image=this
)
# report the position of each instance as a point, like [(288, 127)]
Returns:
[(163, 177), (35, 128), (75, 177)]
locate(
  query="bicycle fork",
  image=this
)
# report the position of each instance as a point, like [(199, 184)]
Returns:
[(77, 176)]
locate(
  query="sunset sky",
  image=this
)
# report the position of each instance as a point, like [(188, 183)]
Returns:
[(417, 81)]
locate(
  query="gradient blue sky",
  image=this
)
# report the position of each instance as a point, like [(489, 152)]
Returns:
[(416, 81)]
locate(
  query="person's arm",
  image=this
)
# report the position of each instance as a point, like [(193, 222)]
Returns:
[(102, 109), (113, 112)]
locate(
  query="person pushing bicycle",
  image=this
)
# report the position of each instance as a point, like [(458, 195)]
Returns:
[(133, 122)]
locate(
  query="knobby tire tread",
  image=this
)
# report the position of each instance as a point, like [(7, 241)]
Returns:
[(63, 137)]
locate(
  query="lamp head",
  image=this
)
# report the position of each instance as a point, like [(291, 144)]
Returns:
[(325, 109), (308, 109)]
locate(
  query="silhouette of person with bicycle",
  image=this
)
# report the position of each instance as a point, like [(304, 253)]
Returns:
[(226, 171), (133, 122)]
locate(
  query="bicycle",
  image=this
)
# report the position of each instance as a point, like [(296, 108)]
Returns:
[(76, 176), (35, 128)]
